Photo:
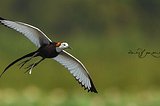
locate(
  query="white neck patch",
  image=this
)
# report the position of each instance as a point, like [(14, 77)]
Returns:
[(62, 47)]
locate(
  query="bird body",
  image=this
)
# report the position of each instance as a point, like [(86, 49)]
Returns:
[(49, 49)]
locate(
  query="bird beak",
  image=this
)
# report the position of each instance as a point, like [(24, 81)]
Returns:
[(69, 47)]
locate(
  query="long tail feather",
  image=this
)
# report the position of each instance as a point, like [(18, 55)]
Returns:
[(27, 55)]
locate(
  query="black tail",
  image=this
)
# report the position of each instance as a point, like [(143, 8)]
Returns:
[(27, 55)]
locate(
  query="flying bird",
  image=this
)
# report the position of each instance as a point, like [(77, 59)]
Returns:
[(49, 49)]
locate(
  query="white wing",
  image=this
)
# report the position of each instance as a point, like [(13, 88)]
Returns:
[(77, 69), (31, 32)]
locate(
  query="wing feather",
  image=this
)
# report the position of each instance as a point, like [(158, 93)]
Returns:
[(77, 69), (32, 33)]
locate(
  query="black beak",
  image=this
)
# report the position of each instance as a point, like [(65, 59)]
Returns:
[(69, 47)]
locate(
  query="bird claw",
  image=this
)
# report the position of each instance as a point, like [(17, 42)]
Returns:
[(22, 64), (30, 71), (30, 67)]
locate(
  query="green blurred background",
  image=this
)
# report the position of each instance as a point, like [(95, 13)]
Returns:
[(101, 33)]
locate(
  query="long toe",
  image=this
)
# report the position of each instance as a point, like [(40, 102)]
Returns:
[(23, 63), (26, 71), (30, 67), (30, 70)]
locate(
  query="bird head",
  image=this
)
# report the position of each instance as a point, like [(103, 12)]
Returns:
[(61, 46)]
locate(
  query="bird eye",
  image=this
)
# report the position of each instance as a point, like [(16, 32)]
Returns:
[(64, 44)]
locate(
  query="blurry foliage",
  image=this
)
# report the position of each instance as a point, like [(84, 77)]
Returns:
[(101, 33), (102, 17)]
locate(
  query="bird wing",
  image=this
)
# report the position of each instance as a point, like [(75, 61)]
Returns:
[(77, 69), (32, 33)]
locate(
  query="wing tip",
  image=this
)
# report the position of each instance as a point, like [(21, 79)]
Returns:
[(2, 18), (92, 89), (1, 21)]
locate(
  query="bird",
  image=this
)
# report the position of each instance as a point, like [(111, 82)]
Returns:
[(49, 49)]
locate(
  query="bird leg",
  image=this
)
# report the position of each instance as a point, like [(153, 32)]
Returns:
[(24, 62), (30, 67)]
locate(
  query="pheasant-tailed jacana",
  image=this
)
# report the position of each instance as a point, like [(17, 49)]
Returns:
[(49, 49)]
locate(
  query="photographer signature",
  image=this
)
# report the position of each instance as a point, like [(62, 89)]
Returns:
[(143, 53)]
